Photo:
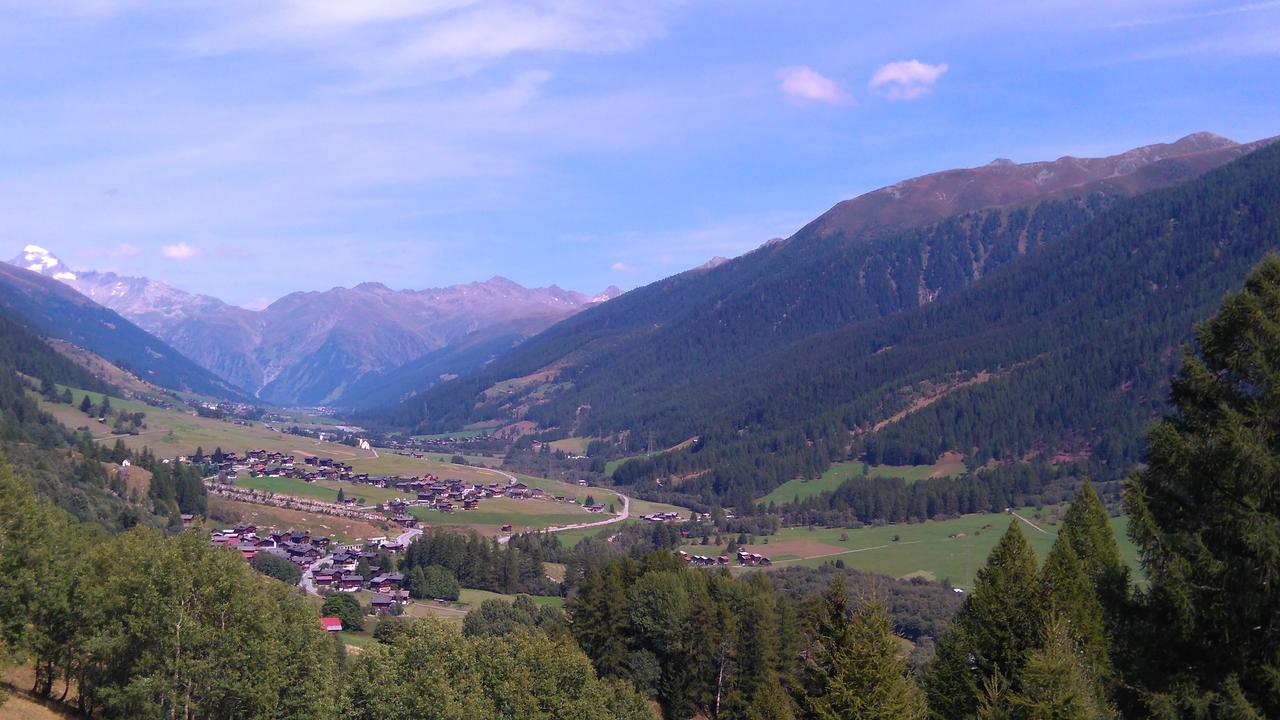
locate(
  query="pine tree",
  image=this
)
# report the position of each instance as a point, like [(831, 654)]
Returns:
[(1055, 684), (1070, 595), (999, 624), (1087, 527), (86, 405), (854, 667), (1205, 513), (342, 496)]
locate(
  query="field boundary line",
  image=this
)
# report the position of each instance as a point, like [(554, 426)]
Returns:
[(847, 552)]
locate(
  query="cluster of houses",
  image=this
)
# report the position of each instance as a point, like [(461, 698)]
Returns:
[(305, 551), (297, 546), (388, 588), (450, 495), (662, 517), (745, 559)]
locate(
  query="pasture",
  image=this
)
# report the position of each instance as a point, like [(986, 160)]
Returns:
[(804, 488), (951, 550)]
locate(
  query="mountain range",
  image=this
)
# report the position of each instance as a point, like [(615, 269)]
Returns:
[(52, 309), (337, 347), (847, 337)]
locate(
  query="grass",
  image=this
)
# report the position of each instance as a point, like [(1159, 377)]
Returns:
[(493, 513), (612, 465), (572, 445), (475, 597), (838, 473), (322, 489), (459, 434), (362, 639), (342, 529), (454, 613), (938, 549), (805, 488)]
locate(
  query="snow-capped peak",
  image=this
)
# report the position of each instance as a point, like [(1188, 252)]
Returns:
[(37, 259)]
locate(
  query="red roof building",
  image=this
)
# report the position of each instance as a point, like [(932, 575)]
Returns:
[(331, 624)]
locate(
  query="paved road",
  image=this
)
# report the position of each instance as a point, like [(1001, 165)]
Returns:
[(307, 583), (626, 513)]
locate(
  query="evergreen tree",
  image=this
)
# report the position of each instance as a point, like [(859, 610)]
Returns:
[(1055, 684), (1205, 513), (999, 624), (342, 496), (86, 405), (1070, 595), (854, 668), (1087, 527)]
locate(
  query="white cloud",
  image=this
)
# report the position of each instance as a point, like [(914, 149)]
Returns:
[(181, 251), (906, 79), (805, 83), (621, 267)]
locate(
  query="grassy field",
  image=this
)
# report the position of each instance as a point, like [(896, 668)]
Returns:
[(177, 432), (572, 445), (804, 488), (454, 613), (612, 465), (343, 529), (173, 432), (522, 515), (322, 489), (456, 435), (938, 549)]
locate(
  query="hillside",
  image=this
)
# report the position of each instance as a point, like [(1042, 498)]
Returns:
[(53, 309), (894, 249), (1062, 355)]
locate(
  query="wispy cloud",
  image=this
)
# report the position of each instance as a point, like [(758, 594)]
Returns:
[(1200, 14), (622, 267), (411, 41), (180, 251), (906, 79), (806, 84)]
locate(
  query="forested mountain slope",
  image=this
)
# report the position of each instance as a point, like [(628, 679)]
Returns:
[(66, 466), (881, 253), (1064, 353), (53, 309)]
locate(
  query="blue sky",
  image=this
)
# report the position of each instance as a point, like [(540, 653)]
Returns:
[(249, 148)]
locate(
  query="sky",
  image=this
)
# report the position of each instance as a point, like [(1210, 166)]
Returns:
[(250, 148)]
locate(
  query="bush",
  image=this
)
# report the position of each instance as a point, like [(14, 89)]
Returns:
[(433, 582), (344, 607), (277, 567)]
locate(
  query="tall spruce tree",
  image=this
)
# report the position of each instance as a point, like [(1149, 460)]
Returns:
[(855, 669), (1000, 622), (1205, 513), (1070, 595), (1055, 684), (1086, 525)]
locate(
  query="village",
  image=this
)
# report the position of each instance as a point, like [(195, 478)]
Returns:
[(326, 566), (426, 491)]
